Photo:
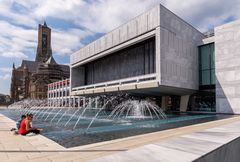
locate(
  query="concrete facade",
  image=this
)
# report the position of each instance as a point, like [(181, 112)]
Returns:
[(119, 38), (178, 51), (227, 58), (175, 56)]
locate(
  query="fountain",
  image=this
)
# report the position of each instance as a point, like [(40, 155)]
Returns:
[(105, 116), (138, 109)]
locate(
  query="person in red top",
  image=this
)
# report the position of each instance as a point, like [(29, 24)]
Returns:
[(25, 126)]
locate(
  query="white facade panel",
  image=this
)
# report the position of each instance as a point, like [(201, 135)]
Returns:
[(227, 41), (179, 43)]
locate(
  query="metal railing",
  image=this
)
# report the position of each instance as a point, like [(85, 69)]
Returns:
[(136, 79), (209, 33)]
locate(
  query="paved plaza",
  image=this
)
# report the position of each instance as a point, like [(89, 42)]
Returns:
[(182, 144)]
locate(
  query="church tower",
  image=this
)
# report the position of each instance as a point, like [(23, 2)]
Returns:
[(44, 50), (14, 95)]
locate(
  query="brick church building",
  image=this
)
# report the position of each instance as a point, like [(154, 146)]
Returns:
[(31, 79)]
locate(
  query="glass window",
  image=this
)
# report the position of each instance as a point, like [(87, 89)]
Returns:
[(212, 56), (203, 101), (206, 80), (205, 58), (213, 76), (206, 65)]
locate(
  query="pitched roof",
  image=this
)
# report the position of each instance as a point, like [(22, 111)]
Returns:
[(31, 65), (65, 68), (51, 61)]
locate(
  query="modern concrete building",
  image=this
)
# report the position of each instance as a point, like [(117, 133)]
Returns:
[(158, 53)]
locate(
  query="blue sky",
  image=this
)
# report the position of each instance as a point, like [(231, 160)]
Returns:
[(75, 23)]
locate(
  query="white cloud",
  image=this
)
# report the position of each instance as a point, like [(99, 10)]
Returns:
[(14, 16), (109, 14), (65, 42), (97, 16), (17, 41), (204, 14), (56, 7), (5, 77), (19, 55), (104, 15), (6, 69)]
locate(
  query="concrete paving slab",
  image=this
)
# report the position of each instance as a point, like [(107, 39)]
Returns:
[(184, 148), (189, 145), (151, 153), (213, 136)]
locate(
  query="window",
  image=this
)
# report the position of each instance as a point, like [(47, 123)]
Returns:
[(136, 60), (206, 65), (203, 101), (44, 40)]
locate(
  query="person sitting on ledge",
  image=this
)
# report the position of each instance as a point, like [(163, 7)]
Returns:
[(25, 126), (18, 123)]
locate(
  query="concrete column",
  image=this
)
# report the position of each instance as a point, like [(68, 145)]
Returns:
[(184, 103), (90, 102), (96, 102), (79, 101), (104, 101), (74, 100), (65, 102), (66, 92), (164, 103), (69, 101), (84, 101)]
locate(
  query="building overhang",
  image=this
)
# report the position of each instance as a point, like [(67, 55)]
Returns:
[(207, 40), (113, 49), (137, 85)]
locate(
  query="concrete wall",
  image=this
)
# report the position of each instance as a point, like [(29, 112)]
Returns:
[(141, 24), (175, 42), (228, 152), (179, 51), (227, 61)]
